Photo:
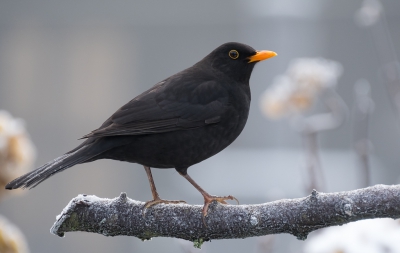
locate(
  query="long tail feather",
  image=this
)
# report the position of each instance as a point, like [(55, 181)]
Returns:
[(33, 178)]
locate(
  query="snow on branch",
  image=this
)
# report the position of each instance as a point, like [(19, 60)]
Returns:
[(299, 217)]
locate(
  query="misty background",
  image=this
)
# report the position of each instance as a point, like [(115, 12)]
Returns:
[(65, 67)]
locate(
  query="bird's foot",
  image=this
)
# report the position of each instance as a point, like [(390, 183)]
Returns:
[(156, 201), (159, 201), (208, 199)]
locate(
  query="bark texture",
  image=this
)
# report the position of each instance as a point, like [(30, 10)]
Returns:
[(299, 217)]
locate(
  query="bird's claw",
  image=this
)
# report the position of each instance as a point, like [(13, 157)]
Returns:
[(209, 199), (153, 202)]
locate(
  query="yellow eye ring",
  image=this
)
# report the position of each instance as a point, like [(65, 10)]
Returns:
[(234, 54)]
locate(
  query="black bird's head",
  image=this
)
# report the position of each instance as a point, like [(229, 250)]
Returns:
[(235, 60)]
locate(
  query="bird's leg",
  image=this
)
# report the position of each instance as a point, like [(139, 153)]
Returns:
[(156, 198), (208, 199)]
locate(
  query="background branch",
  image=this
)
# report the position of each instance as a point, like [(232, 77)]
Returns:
[(299, 217), (309, 127), (362, 110)]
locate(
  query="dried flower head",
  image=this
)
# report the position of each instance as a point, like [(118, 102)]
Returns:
[(11, 238), (296, 91), (369, 13), (17, 152)]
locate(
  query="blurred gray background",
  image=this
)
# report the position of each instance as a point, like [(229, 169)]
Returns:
[(65, 66)]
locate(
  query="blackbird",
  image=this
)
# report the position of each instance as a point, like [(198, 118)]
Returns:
[(180, 121)]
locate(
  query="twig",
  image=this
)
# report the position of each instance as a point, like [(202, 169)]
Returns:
[(315, 173), (299, 217), (362, 110), (390, 66)]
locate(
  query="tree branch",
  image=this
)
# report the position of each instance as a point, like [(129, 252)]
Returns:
[(299, 217)]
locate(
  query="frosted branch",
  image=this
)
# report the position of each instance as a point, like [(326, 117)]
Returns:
[(299, 217)]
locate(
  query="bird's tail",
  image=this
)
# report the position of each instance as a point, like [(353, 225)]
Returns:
[(33, 178)]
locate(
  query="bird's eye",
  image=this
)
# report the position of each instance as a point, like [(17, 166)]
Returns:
[(234, 54)]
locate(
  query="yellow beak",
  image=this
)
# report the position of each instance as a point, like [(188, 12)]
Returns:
[(262, 55)]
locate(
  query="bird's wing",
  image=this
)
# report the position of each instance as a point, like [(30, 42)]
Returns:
[(166, 108)]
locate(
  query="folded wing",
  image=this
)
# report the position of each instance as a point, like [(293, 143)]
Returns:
[(166, 108)]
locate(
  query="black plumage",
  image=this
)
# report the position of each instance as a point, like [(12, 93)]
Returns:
[(179, 122)]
